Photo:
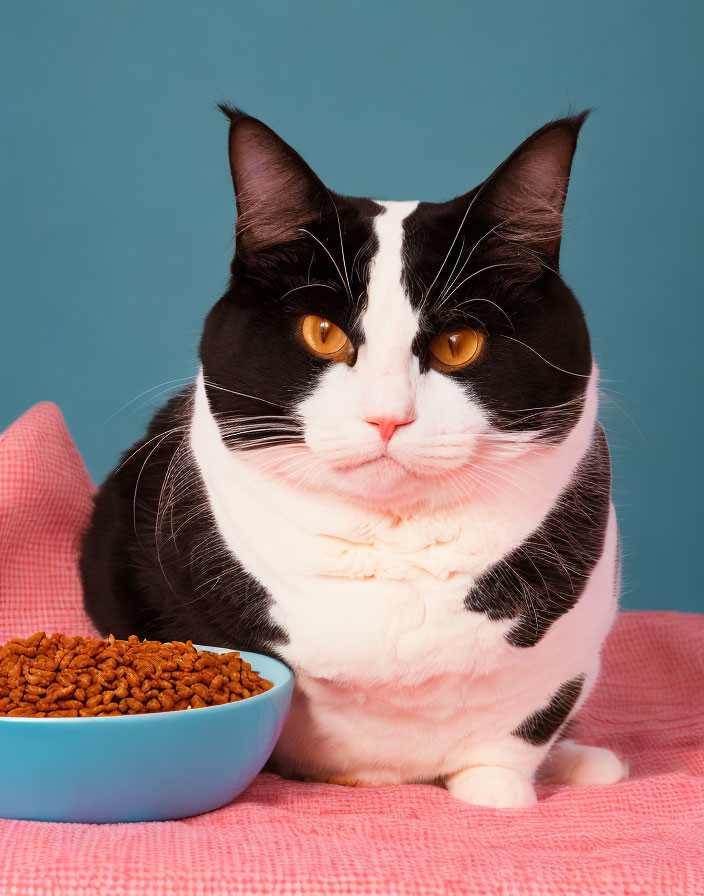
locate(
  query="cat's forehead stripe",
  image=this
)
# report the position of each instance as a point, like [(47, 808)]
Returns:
[(389, 321)]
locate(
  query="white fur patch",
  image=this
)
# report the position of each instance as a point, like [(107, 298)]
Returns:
[(389, 322), (395, 679)]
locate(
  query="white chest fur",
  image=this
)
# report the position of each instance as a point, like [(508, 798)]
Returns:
[(362, 594)]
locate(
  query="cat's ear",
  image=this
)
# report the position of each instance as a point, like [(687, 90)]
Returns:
[(525, 197), (275, 190)]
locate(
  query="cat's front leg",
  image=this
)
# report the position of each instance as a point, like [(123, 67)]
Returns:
[(497, 773), (492, 785)]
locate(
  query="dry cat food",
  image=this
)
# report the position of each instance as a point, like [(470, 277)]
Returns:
[(60, 676)]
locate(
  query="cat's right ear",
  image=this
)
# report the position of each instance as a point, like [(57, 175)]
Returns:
[(276, 192)]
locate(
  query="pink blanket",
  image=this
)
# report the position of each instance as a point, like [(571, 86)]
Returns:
[(644, 836)]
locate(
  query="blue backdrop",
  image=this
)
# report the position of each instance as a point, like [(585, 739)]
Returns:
[(118, 216)]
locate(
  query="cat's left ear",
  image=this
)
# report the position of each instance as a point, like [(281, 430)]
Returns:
[(525, 197)]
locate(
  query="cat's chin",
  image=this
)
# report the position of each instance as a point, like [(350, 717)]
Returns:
[(385, 485), (382, 480)]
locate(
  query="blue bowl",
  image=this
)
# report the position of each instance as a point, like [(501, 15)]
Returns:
[(145, 767)]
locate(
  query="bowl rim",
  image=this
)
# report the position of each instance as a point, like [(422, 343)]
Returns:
[(143, 717)]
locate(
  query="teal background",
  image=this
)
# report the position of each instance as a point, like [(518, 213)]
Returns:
[(117, 214)]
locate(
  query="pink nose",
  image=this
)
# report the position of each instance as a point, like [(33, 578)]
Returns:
[(387, 425)]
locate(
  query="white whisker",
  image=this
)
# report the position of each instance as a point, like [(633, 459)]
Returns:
[(560, 369)]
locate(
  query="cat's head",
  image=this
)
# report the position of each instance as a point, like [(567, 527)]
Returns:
[(392, 351)]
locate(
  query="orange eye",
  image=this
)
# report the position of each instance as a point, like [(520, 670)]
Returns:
[(325, 340), (455, 349)]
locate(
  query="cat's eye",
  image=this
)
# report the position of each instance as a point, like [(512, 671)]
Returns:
[(325, 339), (455, 349)]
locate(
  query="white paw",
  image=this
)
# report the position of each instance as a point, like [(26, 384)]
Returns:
[(581, 766), (488, 785)]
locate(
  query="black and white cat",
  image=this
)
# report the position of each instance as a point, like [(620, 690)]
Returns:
[(390, 474)]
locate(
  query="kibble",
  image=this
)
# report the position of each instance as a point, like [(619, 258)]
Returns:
[(62, 676)]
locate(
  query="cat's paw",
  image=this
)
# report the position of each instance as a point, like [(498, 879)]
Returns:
[(488, 785), (582, 766)]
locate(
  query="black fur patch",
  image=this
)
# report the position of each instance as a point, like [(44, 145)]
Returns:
[(545, 577), (539, 727), (534, 373), (153, 562)]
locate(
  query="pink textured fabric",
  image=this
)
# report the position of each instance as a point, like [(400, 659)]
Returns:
[(644, 836), (45, 496)]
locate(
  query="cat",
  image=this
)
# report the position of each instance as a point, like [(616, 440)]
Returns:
[(388, 473)]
